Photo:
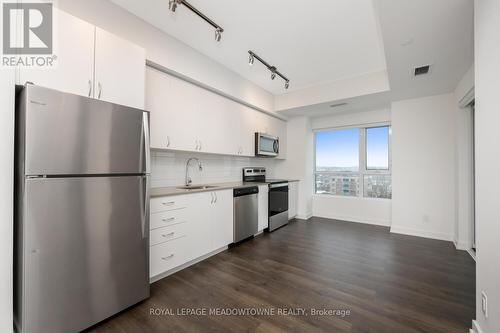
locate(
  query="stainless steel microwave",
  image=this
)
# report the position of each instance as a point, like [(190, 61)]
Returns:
[(266, 145)]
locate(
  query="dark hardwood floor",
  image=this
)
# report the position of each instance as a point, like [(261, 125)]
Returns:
[(388, 282)]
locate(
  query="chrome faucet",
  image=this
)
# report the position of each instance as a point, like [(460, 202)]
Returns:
[(200, 167)]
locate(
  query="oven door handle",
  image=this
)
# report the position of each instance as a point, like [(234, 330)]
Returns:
[(278, 185)]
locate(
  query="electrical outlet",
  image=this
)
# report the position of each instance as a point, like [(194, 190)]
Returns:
[(484, 304)]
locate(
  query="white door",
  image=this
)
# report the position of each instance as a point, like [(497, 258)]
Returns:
[(222, 219), (293, 197), (119, 70), (263, 199), (73, 69)]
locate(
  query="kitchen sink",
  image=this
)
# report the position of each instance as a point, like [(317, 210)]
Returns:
[(190, 188)]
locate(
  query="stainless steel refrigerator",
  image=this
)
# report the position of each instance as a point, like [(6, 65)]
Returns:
[(82, 210)]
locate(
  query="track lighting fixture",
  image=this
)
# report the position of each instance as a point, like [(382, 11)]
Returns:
[(251, 59), (172, 5), (274, 71), (218, 34)]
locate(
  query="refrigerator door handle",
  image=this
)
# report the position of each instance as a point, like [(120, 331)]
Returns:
[(147, 152), (145, 200)]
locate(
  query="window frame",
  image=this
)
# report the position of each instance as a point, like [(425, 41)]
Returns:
[(363, 168)]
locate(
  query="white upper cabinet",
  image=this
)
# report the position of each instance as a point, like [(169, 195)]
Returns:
[(74, 67), (173, 121), (119, 70), (93, 63), (189, 118)]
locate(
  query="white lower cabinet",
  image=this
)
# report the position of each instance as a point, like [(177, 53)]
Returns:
[(221, 228), (187, 227), (263, 199), (167, 255), (293, 199)]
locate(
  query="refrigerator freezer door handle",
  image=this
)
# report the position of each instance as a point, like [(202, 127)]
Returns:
[(147, 152)]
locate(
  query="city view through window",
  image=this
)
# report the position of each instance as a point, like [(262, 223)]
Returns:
[(353, 162)]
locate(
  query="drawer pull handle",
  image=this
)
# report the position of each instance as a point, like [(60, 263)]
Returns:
[(170, 203), (169, 219), (169, 234), (167, 257)]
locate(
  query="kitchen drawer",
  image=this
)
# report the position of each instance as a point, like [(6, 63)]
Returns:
[(167, 203), (168, 255), (164, 219), (165, 234)]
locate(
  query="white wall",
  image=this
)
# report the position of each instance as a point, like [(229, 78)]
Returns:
[(351, 119), (366, 84), (464, 162), (168, 51), (169, 168), (6, 199), (299, 162), (423, 167), (487, 89), (363, 210)]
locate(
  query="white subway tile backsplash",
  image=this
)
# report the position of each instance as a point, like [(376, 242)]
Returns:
[(168, 168)]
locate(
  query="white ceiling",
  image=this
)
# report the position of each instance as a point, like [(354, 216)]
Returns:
[(420, 32), (311, 42)]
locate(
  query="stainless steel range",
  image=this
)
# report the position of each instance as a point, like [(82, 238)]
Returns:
[(278, 195)]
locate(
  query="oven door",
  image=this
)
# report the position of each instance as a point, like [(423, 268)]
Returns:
[(278, 198), (266, 145)]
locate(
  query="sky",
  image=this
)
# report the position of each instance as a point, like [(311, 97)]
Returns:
[(340, 148)]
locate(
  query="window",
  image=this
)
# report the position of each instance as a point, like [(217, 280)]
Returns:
[(354, 162)]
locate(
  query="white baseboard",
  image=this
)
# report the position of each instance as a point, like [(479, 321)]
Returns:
[(461, 246), (472, 254), (357, 219), (305, 216), (475, 327), (421, 233), (189, 263)]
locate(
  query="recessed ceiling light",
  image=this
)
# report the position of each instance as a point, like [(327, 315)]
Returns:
[(407, 42)]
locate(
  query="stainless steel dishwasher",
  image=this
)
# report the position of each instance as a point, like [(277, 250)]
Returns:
[(246, 211)]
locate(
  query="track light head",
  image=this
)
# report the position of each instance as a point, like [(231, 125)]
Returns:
[(218, 34), (251, 59), (273, 72), (287, 84), (172, 5)]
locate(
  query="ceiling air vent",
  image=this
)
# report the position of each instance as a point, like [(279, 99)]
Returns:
[(422, 70)]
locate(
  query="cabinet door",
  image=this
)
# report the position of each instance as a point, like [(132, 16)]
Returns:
[(263, 207), (293, 188), (74, 67), (200, 210), (221, 222), (119, 70), (171, 103)]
